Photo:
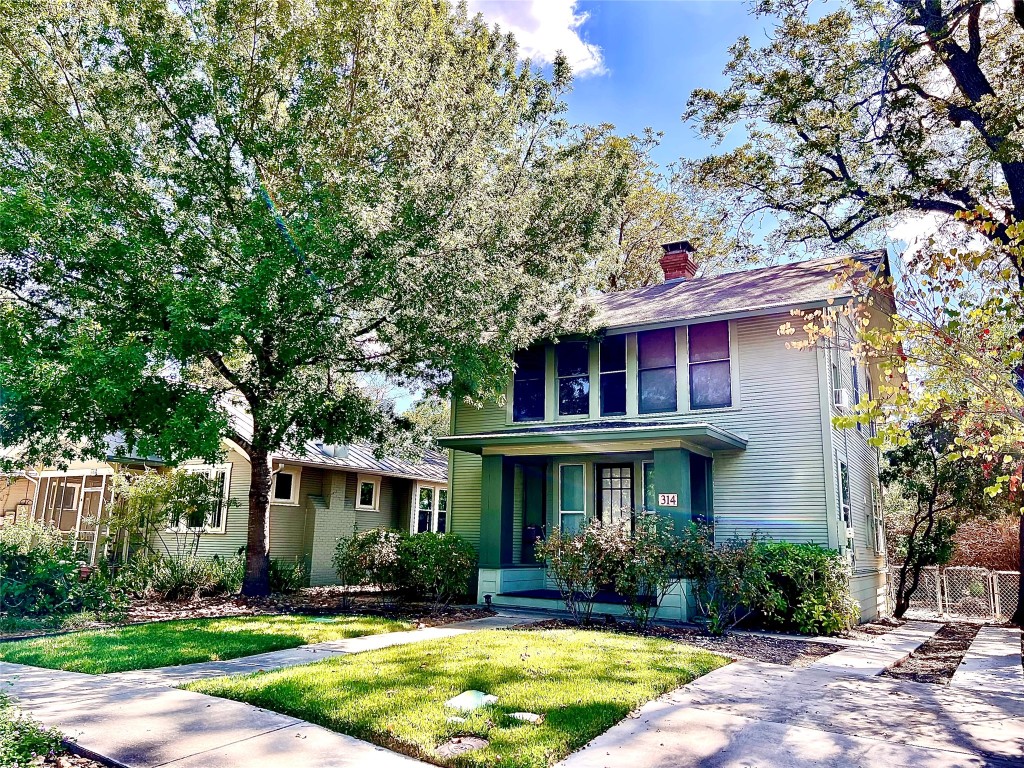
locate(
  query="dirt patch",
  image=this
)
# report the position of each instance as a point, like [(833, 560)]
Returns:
[(938, 658), (68, 760), (791, 652), (311, 601), (874, 628)]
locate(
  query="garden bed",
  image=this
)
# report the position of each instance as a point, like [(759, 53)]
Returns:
[(747, 645), (939, 657), (579, 682), (311, 601)]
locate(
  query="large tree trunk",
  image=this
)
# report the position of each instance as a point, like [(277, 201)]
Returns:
[(257, 548)]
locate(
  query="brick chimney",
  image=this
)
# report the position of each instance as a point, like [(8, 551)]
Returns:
[(677, 262)]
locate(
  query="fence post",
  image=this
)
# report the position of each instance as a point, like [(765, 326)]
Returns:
[(997, 608), (940, 586)]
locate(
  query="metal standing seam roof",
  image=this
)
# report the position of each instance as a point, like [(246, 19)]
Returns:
[(798, 284), (432, 466)]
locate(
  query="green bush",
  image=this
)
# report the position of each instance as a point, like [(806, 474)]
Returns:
[(584, 563), (161, 577), (437, 566), (649, 568), (371, 559), (23, 741), (286, 577), (726, 579), (40, 575), (807, 589)]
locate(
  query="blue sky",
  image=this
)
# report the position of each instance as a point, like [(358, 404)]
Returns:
[(636, 60)]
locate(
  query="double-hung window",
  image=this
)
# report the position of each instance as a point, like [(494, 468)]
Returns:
[(710, 372), (877, 520), (844, 495), (613, 375), (855, 377), (656, 380), (528, 385), (367, 492), (211, 513), (572, 360), (572, 491), (431, 512)]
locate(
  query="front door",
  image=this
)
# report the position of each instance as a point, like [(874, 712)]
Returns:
[(615, 493)]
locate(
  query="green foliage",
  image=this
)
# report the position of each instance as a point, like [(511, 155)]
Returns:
[(807, 589), (23, 741), (438, 566), (371, 558), (262, 199), (582, 682), (584, 563), (649, 567), (285, 577), (726, 579), (41, 576), (162, 577)]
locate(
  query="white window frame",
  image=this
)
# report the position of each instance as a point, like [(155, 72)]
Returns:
[(414, 512), (375, 481), (563, 512), (293, 500), (877, 520), (209, 470)]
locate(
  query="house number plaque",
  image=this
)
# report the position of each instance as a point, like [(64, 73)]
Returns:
[(668, 500)]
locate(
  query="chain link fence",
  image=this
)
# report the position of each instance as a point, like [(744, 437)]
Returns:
[(964, 593)]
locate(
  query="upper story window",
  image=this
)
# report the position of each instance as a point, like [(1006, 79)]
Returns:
[(656, 358), (613, 375), (528, 385), (710, 373), (572, 359), (855, 378)]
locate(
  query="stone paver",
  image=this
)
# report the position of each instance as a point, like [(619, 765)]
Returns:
[(874, 657), (992, 663)]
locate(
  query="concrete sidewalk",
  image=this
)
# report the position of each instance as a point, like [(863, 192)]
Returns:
[(144, 727), (308, 654), (881, 652), (992, 663)]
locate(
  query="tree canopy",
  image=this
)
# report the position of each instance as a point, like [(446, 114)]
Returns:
[(268, 200)]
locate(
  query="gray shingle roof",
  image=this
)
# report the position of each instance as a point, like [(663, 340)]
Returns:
[(359, 457), (756, 290)]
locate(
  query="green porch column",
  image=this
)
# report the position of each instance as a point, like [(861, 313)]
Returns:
[(497, 483), (672, 478)]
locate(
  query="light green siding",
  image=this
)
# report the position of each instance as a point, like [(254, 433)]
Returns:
[(471, 420), (464, 474)]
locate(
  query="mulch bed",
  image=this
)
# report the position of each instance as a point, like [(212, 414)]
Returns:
[(790, 652), (874, 628), (69, 760), (311, 601), (938, 658)]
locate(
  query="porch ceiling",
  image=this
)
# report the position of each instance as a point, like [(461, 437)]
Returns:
[(619, 436)]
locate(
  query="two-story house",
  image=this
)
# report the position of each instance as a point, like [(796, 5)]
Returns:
[(686, 402)]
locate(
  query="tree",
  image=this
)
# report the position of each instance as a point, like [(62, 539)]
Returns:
[(869, 113), (431, 416), (659, 206), (939, 491), (265, 202)]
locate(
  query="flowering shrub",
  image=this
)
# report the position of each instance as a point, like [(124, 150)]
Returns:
[(23, 741), (649, 567), (370, 558), (438, 566)]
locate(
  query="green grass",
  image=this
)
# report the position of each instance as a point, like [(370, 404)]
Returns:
[(583, 682), (161, 644)]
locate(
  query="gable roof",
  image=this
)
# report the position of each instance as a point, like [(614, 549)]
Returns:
[(432, 466), (800, 284)]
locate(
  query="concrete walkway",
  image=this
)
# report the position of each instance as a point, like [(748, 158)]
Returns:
[(992, 663), (837, 712), (308, 654)]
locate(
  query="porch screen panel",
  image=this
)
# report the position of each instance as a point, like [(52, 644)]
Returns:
[(710, 373), (657, 370), (572, 493)]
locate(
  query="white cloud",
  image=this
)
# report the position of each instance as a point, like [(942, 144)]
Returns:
[(544, 27)]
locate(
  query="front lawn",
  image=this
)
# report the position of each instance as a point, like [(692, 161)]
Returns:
[(583, 682), (161, 644)]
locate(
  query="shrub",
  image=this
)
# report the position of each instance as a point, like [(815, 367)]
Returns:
[(155, 576), (649, 569), (438, 566), (40, 575), (371, 558), (726, 579), (23, 741), (807, 589), (585, 563), (286, 577)]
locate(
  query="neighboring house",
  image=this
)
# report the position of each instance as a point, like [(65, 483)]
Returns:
[(319, 494), (687, 403)]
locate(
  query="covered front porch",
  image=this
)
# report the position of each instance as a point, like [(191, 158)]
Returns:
[(538, 480)]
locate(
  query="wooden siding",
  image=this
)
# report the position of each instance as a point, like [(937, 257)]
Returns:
[(464, 475)]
